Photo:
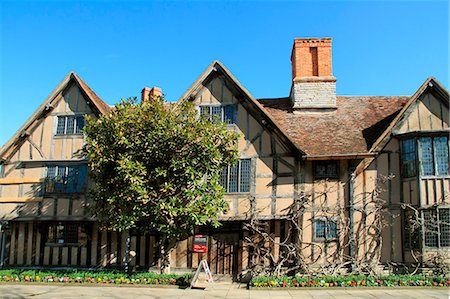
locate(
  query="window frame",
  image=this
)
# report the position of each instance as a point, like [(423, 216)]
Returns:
[(223, 115), (418, 152), (436, 233), (327, 228), (58, 182), (238, 180), (76, 129), (326, 175), (409, 163), (58, 233)]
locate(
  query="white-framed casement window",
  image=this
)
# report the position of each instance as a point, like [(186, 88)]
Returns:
[(236, 178), (225, 113), (70, 124), (325, 229), (436, 227)]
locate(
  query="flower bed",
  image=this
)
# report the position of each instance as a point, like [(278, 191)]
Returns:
[(98, 277), (350, 281)]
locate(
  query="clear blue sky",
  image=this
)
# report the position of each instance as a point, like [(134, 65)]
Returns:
[(379, 48)]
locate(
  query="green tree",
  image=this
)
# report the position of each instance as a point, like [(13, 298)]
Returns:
[(156, 166)]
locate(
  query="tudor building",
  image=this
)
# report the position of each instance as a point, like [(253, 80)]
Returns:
[(354, 168)]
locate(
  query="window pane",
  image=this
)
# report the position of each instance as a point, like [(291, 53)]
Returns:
[(61, 125), (332, 230), (444, 227), (60, 179), (408, 158), (70, 124), (71, 233), (325, 169), (430, 227), (233, 184), (441, 155), (81, 178), (216, 112), (229, 114), (80, 124), (51, 171), (320, 229), (426, 156), (204, 111), (245, 176), (223, 178), (71, 179)]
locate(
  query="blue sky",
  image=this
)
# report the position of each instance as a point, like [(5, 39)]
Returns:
[(379, 48)]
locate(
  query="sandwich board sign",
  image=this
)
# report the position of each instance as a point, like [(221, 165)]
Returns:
[(203, 264)]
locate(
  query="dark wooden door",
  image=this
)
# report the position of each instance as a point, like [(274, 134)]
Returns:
[(223, 251)]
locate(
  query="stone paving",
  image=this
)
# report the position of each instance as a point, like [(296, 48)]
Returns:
[(231, 291)]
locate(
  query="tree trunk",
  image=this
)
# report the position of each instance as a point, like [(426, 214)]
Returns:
[(165, 256), (127, 252)]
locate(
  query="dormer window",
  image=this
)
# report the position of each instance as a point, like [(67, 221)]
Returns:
[(70, 124), (225, 113)]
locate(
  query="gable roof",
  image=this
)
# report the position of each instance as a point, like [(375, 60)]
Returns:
[(97, 103), (431, 85), (249, 102), (349, 131)]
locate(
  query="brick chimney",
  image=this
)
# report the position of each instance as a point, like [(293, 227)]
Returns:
[(148, 93), (313, 84)]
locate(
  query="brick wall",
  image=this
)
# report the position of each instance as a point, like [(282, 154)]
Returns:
[(313, 84)]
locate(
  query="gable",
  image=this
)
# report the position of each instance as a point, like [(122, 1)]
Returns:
[(225, 88), (79, 99), (255, 139), (428, 113)]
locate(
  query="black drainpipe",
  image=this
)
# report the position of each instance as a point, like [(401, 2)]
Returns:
[(3, 227)]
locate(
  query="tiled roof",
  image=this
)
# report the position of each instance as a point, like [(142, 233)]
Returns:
[(351, 129)]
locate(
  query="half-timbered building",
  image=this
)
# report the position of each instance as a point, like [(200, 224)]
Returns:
[(340, 176)]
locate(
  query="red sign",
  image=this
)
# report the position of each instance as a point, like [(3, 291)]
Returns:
[(200, 244)]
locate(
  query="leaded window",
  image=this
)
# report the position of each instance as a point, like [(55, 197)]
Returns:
[(236, 178), (326, 169), (63, 233), (436, 226), (69, 124), (433, 155), (225, 113), (325, 229), (441, 153), (66, 179), (408, 158), (426, 156)]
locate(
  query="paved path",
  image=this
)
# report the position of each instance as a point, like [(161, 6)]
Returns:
[(15, 291)]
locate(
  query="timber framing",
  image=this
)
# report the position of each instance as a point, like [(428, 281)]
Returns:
[(430, 85), (215, 69), (47, 106)]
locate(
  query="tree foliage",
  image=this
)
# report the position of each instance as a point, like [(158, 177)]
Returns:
[(157, 163)]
